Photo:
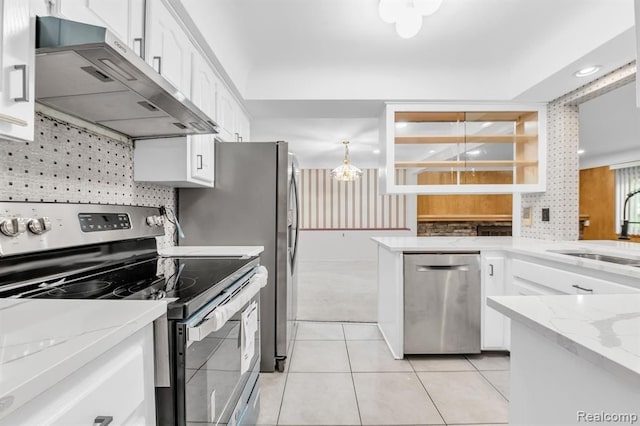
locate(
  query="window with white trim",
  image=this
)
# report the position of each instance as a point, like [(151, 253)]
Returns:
[(628, 180)]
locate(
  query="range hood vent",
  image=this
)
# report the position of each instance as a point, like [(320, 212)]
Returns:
[(85, 71)]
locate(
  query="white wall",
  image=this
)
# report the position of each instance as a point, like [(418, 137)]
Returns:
[(342, 245), (610, 128)]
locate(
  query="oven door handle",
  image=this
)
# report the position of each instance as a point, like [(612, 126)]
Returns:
[(219, 316)]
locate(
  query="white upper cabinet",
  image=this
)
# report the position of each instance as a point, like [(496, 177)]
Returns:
[(226, 116), (203, 86), (182, 162), (244, 126), (234, 123), (463, 149), (202, 160), (169, 50), (17, 76), (125, 18)]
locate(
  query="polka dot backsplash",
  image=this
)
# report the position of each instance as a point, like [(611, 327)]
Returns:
[(563, 140), (68, 164)]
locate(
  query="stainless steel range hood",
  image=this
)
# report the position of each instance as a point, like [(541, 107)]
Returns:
[(85, 71)]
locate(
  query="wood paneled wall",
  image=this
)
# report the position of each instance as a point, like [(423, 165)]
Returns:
[(461, 205), (597, 200), (326, 203)]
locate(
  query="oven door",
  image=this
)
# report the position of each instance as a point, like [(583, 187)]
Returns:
[(216, 375)]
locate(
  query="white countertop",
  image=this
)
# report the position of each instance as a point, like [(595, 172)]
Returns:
[(43, 341), (196, 251), (602, 329), (524, 246)]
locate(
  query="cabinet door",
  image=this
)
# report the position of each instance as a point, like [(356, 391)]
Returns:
[(244, 126), (118, 384), (202, 158), (17, 76), (169, 50), (226, 115), (495, 324), (203, 86), (125, 18)]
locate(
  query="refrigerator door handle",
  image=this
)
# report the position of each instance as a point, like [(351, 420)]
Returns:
[(294, 182)]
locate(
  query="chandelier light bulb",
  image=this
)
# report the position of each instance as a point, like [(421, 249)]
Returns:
[(409, 23), (427, 7), (389, 10)]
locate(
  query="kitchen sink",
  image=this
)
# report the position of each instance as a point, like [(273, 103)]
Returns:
[(599, 256)]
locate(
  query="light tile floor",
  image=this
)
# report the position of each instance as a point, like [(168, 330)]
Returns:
[(344, 374)]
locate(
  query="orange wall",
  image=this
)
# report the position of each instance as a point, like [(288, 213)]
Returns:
[(445, 205)]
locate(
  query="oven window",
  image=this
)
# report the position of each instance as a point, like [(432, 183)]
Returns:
[(213, 376)]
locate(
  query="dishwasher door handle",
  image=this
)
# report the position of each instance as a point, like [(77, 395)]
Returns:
[(427, 268)]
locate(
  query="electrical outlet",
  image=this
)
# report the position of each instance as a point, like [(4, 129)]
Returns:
[(545, 215)]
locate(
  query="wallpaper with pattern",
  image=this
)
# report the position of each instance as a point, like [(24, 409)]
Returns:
[(326, 203), (68, 164)]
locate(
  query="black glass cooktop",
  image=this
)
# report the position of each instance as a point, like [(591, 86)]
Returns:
[(193, 282)]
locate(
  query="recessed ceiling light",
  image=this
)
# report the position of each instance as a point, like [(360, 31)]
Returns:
[(473, 152), (580, 151), (401, 124), (376, 151), (587, 71), (487, 124), (432, 151)]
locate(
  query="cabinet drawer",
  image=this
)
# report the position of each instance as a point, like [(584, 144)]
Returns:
[(114, 385), (566, 282)]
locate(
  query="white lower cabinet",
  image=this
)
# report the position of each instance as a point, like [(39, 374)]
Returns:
[(531, 278), (181, 162), (495, 326), (116, 386)]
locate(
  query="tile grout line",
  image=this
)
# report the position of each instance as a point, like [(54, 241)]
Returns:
[(428, 394), (355, 392), (286, 373), (487, 380)]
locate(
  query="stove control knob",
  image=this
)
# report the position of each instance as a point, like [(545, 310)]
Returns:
[(13, 227), (40, 225), (155, 220)]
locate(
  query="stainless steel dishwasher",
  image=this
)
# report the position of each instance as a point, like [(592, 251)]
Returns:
[(441, 303)]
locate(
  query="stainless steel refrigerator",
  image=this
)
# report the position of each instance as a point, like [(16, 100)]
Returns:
[(254, 202)]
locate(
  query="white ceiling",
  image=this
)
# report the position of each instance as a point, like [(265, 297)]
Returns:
[(313, 71)]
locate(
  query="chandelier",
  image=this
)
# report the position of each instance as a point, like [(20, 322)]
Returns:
[(407, 14), (346, 172)]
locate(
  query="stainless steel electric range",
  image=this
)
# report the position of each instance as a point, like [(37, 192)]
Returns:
[(89, 251)]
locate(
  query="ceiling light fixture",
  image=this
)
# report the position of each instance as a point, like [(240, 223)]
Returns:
[(376, 151), (473, 152), (587, 71), (580, 151), (346, 172), (401, 124), (407, 14)]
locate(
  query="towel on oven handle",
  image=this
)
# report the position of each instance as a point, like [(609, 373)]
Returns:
[(220, 315)]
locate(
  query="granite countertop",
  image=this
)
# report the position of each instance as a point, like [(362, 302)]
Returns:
[(602, 329), (44, 341), (524, 246)]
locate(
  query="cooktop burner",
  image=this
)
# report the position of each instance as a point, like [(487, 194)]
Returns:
[(79, 290)]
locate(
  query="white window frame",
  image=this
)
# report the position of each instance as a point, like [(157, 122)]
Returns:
[(627, 180)]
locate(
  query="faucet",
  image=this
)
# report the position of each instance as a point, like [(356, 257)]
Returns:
[(624, 231)]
